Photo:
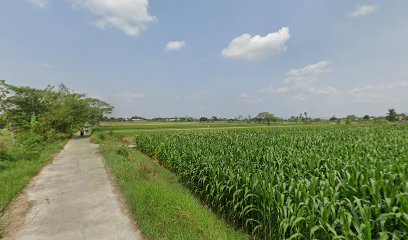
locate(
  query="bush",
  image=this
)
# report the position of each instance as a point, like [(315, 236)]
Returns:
[(53, 136), (29, 139), (99, 137), (3, 145), (4, 151), (123, 150), (3, 165)]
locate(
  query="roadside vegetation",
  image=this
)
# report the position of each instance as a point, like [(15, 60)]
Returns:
[(34, 125), (161, 205), (313, 182), (21, 162)]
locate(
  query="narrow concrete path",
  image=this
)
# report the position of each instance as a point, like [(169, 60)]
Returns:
[(73, 198)]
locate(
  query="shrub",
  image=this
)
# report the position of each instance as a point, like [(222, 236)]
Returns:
[(29, 139), (123, 150), (4, 151)]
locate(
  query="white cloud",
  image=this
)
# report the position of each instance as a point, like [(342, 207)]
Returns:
[(257, 47), (275, 90), (39, 3), (381, 88), (131, 95), (130, 16), (303, 77), (300, 82), (244, 95), (322, 91), (364, 10), (381, 96), (175, 45)]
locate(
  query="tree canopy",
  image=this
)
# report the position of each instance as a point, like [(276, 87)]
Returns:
[(48, 110), (267, 117)]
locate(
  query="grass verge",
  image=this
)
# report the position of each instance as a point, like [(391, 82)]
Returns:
[(15, 175), (163, 208)]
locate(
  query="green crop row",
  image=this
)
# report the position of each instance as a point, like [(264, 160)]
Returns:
[(342, 182)]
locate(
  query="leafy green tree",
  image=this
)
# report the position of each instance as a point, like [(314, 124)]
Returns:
[(333, 118), (97, 109), (203, 119), (392, 115), (350, 119), (267, 117), (45, 111)]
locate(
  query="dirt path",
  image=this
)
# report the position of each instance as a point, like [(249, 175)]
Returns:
[(72, 198)]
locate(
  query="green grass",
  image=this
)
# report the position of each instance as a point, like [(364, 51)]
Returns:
[(148, 126), (15, 175), (127, 129), (163, 208)]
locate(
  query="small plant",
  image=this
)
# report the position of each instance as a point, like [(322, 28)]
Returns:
[(123, 150)]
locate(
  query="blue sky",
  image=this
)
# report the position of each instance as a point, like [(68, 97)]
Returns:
[(204, 58)]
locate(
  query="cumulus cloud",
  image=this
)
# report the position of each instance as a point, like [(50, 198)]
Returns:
[(364, 10), (39, 3), (386, 95), (175, 45), (303, 77), (275, 90), (371, 93), (257, 47), (130, 16), (300, 82)]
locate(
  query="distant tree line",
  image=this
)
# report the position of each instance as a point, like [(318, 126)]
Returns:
[(391, 116), (266, 117)]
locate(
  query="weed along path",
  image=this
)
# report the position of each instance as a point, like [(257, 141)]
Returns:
[(73, 198)]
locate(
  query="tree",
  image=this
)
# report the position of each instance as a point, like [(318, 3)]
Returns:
[(333, 118), (97, 109), (203, 119), (350, 119), (49, 110), (366, 117), (6, 116), (392, 115), (266, 117)]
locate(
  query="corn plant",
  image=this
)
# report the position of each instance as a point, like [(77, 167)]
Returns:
[(333, 182)]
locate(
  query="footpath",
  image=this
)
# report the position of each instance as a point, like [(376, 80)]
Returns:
[(73, 198)]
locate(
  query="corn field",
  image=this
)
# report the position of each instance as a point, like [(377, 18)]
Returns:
[(333, 182)]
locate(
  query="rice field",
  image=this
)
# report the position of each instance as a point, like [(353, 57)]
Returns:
[(321, 182)]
